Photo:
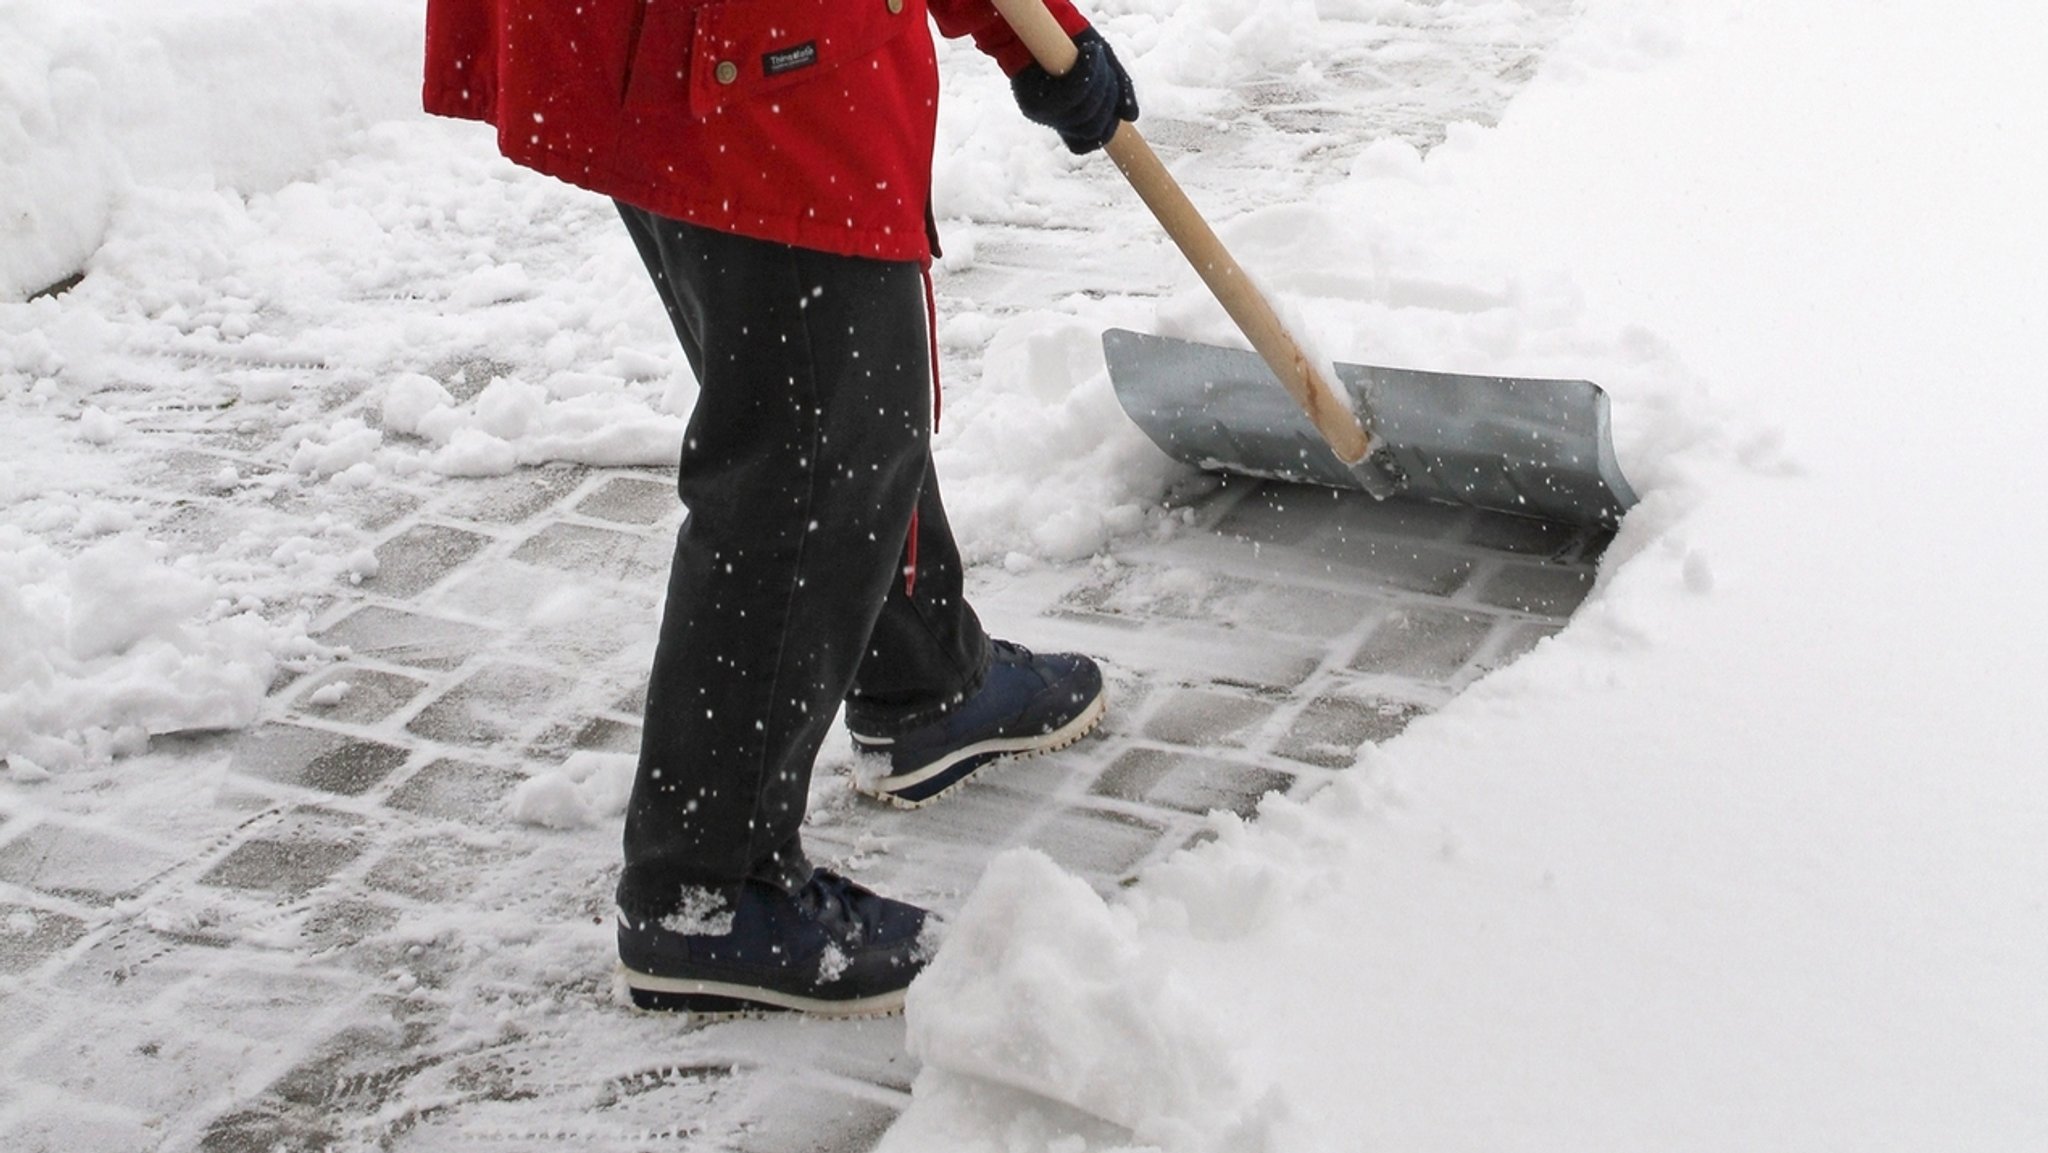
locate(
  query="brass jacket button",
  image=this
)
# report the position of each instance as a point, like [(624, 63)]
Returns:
[(896, 7), (729, 72)]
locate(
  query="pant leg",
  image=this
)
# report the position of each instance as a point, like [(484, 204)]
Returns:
[(927, 651), (808, 449)]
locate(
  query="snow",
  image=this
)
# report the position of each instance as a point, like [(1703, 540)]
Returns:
[(587, 790), (102, 98), (113, 643), (1747, 857), (1120, 1037)]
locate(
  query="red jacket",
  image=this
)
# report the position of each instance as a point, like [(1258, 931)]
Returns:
[(807, 122)]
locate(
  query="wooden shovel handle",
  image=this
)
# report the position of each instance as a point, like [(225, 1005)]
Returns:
[(1304, 379)]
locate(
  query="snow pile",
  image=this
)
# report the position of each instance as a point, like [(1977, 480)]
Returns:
[(511, 423), (588, 790), (1748, 856), (111, 645), (1044, 989), (1037, 457), (506, 425), (96, 99)]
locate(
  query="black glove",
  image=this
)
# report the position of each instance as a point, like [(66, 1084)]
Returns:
[(1085, 105)]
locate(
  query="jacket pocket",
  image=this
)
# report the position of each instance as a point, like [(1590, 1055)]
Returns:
[(705, 56)]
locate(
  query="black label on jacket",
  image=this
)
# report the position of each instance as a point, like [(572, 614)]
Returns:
[(790, 59)]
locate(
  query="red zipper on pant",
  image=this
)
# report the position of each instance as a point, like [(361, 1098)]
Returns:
[(931, 328)]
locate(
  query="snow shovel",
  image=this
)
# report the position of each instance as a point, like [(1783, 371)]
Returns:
[(1539, 448)]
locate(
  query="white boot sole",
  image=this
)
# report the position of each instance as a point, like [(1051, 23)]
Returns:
[(1009, 748)]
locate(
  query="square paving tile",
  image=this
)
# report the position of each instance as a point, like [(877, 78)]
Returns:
[(1293, 610), (414, 639), (1544, 590), (466, 376), (421, 557), (1189, 782), (315, 758), (1330, 730), (598, 734), (353, 1071), (1205, 718), (289, 866), (28, 937), (1516, 642), (436, 870), (633, 500), (265, 1128), (1096, 842), (1500, 532), (1156, 592), (458, 791), (596, 551), (1424, 642), (499, 703), (1304, 532), (371, 509), (346, 923), (358, 696), (514, 498), (91, 865), (353, 768), (202, 524), (1400, 565)]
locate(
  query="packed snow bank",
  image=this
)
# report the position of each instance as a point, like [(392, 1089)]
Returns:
[(98, 98), (1747, 857)]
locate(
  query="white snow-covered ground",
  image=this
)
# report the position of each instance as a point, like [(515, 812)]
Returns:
[(1747, 857)]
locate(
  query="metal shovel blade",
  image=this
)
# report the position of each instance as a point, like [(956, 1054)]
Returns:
[(1538, 448)]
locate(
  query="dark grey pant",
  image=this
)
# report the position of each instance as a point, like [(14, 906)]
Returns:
[(808, 451)]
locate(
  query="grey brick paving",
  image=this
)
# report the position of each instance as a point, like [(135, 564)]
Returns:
[(498, 704), (421, 556), (324, 932), (355, 695), (86, 865), (513, 499), (29, 936), (400, 637), (631, 500), (455, 790)]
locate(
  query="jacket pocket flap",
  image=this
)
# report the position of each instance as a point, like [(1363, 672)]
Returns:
[(706, 56)]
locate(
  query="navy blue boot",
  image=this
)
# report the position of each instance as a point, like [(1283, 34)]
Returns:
[(1027, 704), (832, 949)]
